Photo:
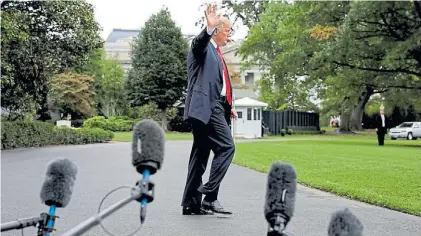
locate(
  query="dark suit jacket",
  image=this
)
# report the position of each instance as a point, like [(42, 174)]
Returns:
[(379, 123), (205, 78)]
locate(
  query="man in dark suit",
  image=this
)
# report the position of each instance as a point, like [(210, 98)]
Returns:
[(381, 126), (208, 108)]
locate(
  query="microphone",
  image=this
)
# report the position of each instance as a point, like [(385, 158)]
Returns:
[(280, 197), (148, 148), (56, 192), (344, 223), (58, 187), (147, 156)]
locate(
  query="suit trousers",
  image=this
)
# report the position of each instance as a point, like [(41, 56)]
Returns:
[(380, 135), (215, 136)]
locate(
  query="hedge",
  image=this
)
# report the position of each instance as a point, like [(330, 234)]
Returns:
[(20, 134), (115, 124)]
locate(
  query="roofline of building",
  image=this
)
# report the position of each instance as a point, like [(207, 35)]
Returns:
[(121, 29)]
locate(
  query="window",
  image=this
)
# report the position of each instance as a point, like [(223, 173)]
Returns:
[(240, 114), (255, 114), (249, 78), (416, 126), (248, 113), (405, 125), (258, 113)]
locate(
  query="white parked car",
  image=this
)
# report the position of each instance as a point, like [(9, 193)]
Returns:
[(408, 130)]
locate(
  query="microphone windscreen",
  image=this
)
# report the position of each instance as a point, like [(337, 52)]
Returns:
[(344, 223), (151, 138), (59, 181), (280, 192)]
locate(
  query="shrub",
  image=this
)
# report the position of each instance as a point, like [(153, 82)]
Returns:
[(289, 132), (307, 132), (20, 134), (178, 124), (283, 132), (151, 111), (115, 124)]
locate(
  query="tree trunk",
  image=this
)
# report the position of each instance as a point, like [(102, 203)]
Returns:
[(164, 122), (417, 6), (345, 125), (358, 110), (345, 122), (43, 109)]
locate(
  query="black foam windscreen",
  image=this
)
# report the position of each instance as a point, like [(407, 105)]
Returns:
[(344, 223), (149, 137), (280, 192), (59, 181)]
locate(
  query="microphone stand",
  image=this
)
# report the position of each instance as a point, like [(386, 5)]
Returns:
[(44, 228), (144, 190)]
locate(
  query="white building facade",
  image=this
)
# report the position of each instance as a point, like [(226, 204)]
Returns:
[(118, 46)]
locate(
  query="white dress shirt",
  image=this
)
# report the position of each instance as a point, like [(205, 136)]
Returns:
[(224, 86), (383, 123)]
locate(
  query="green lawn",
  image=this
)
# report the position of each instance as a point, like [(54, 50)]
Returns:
[(127, 136), (351, 166)]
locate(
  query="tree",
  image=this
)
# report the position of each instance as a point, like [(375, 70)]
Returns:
[(41, 39), (111, 93), (73, 93), (346, 51), (246, 13), (385, 33), (280, 43), (380, 44), (159, 72), (109, 82), (14, 98)]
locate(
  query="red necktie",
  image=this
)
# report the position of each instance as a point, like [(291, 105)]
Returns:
[(228, 91)]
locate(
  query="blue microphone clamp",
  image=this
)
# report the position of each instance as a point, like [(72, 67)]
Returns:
[(146, 186), (48, 220)]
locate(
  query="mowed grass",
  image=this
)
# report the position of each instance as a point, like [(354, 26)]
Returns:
[(351, 166), (128, 136)]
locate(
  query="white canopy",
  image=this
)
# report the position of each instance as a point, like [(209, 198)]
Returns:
[(249, 102)]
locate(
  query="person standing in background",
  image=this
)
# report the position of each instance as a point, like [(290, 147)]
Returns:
[(381, 126)]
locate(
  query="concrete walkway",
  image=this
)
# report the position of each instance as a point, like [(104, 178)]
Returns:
[(102, 167)]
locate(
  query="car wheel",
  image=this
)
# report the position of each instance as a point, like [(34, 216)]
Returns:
[(409, 137)]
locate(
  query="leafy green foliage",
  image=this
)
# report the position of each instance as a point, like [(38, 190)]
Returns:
[(277, 43), (159, 55), (39, 40), (346, 52), (109, 82), (73, 93), (151, 111), (381, 37), (22, 134), (240, 12), (277, 100), (118, 123)]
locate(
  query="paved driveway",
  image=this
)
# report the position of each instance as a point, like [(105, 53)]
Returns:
[(103, 167)]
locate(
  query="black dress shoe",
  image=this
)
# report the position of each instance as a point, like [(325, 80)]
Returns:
[(196, 211), (216, 207)]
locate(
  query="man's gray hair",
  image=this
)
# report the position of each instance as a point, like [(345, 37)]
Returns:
[(222, 22)]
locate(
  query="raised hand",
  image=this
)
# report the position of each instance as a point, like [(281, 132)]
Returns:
[(212, 18)]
